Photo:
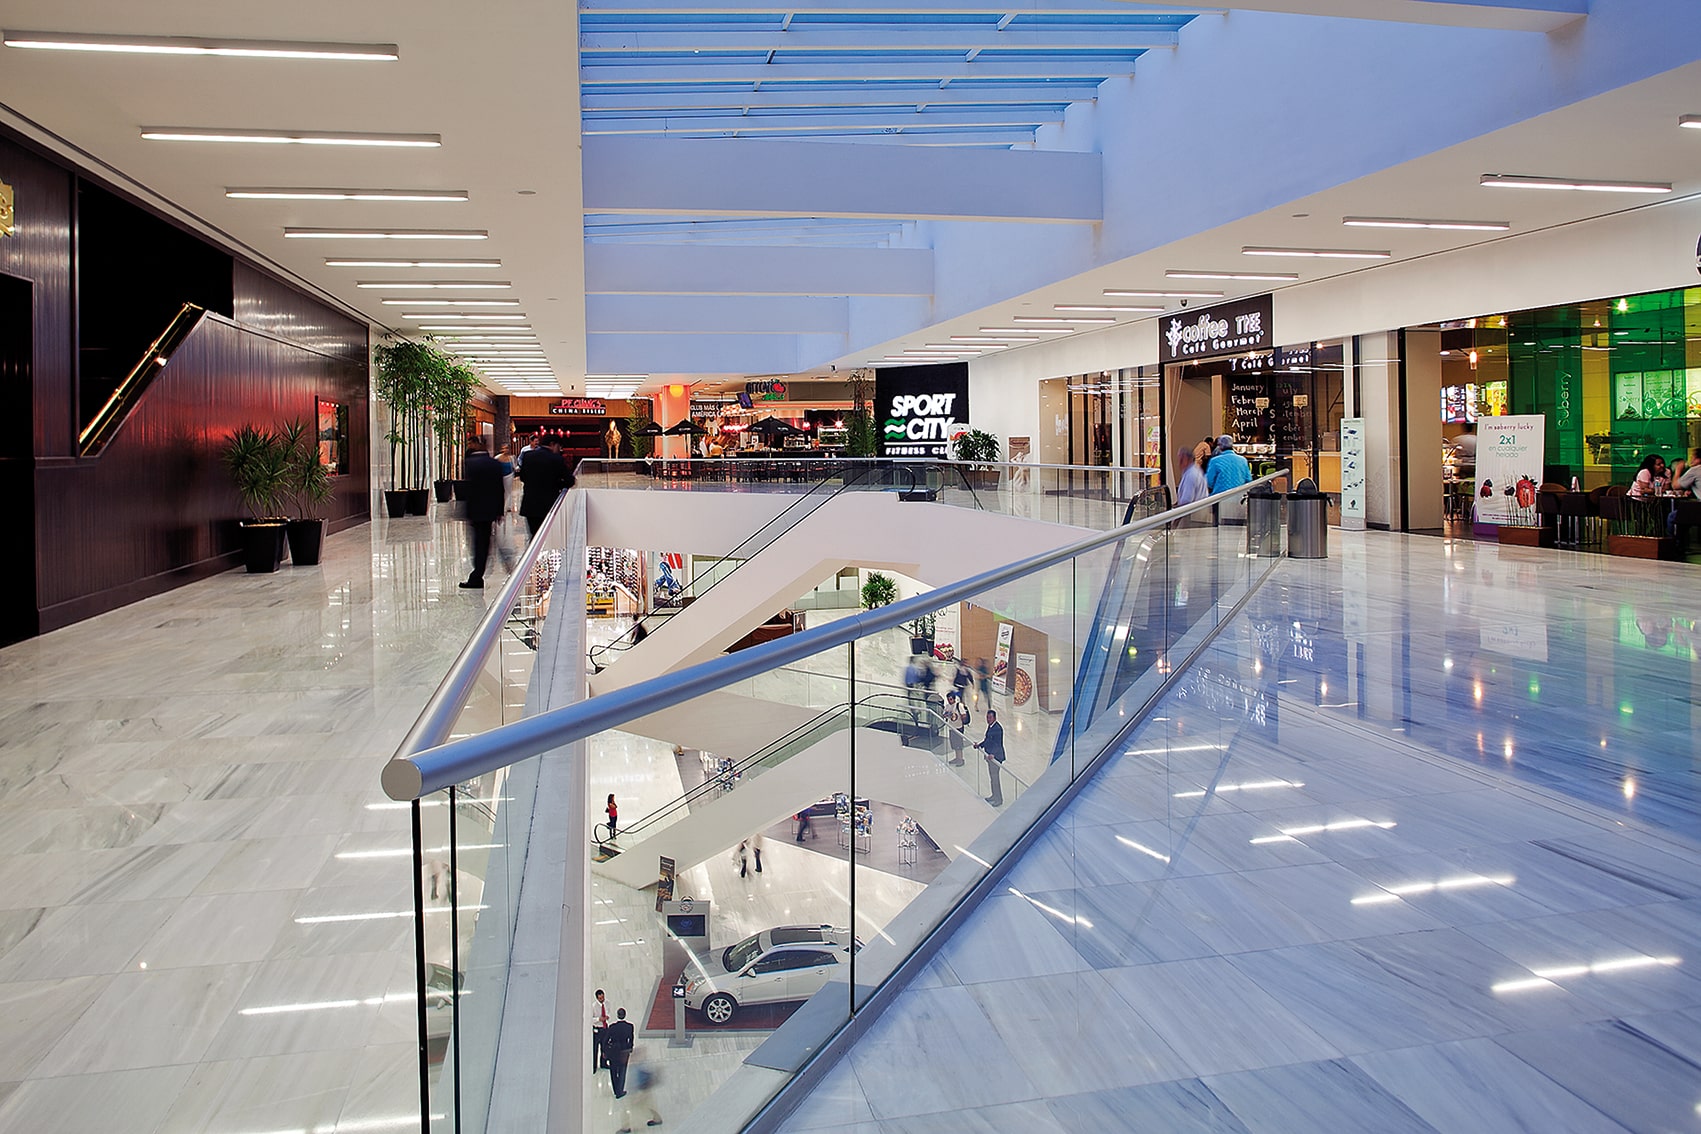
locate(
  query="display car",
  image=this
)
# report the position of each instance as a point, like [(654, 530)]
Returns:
[(786, 963)]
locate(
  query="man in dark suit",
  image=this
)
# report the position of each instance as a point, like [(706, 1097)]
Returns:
[(992, 745), (485, 498), (617, 1044), (544, 474)]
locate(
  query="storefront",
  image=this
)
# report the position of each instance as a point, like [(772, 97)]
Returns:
[(582, 423), (798, 417), (1111, 417)]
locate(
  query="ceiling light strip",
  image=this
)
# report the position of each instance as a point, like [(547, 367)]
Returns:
[(434, 285), (1319, 253), (1127, 293), (1026, 331), (1104, 307), (1054, 319), (1584, 185), (341, 262), (257, 193), (289, 137), (200, 45), (1413, 222), (413, 302), (386, 234), (1198, 274)]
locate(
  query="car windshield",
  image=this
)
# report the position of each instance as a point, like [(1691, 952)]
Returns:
[(737, 957)]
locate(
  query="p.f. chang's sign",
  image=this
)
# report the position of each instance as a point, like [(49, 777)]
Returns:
[(1227, 328), (580, 407)]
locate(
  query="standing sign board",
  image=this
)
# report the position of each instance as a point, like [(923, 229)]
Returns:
[(1511, 453), (1001, 658), (1352, 474), (918, 409), (1227, 328), (947, 633), (664, 882)]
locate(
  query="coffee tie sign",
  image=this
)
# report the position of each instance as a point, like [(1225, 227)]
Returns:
[(1227, 328)]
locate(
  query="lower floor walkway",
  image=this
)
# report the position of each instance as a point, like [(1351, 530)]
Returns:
[(1411, 848)]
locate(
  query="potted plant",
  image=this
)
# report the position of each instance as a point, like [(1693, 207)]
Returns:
[(406, 374), (258, 464), (921, 635), (307, 486), (978, 449), (452, 388), (637, 417), (1636, 529), (878, 590)]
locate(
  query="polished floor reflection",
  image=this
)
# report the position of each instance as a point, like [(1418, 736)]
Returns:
[(205, 898), (1412, 848)]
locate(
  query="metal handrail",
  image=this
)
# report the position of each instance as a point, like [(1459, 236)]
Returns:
[(445, 705), (104, 426), (601, 461), (414, 772)]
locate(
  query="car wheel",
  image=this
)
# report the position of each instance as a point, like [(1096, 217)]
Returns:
[(719, 1008)]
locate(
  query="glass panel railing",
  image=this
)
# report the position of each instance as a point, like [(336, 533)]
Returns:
[(879, 805)]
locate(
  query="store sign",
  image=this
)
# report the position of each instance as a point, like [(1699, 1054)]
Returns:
[(1228, 328), (580, 407), (6, 209), (766, 391), (919, 409)]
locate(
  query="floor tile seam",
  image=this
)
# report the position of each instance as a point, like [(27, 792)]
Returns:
[(1559, 1084), (1416, 1122)]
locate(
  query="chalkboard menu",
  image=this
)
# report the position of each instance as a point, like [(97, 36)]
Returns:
[(1246, 395), (1290, 425)]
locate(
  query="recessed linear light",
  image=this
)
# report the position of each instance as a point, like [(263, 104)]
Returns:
[(969, 347), (457, 329), (1025, 337), (1690, 121), (1262, 277), (1319, 253), (1103, 307), (616, 377), (1520, 181), (289, 137), (417, 316), (1026, 331), (386, 234), (434, 285), (198, 45), (1124, 293), (450, 302), (340, 262), (255, 194), (455, 338), (1407, 222), (1053, 319)]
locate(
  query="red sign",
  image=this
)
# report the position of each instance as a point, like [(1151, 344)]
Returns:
[(584, 407)]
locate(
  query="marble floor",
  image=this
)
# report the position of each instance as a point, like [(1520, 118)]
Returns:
[(1436, 872), (199, 927)]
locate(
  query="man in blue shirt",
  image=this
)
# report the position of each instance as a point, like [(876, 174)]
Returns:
[(1228, 469)]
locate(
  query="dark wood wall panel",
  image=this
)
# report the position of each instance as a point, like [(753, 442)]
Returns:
[(156, 509)]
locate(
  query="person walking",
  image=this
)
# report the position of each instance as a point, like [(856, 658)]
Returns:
[(756, 850), (741, 858), (613, 811), (599, 1032), (983, 675), (803, 825), (543, 473), (992, 747), (1228, 469), (643, 1083), (1190, 486), (618, 1044), (956, 720), (484, 501)]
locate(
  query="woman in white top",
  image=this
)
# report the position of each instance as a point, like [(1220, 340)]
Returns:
[(1648, 477)]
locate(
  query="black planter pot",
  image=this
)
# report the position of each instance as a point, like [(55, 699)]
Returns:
[(306, 537), (395, 503), (921, 645), (443, 489), (460, 489), (263, 545), (419, 501)]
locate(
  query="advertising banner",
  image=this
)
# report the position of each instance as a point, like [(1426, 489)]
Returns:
[(947, 633), (1352, 474), (1226, 328), (1022, 683), (918, 409), (1001, 658), (1511, 452)]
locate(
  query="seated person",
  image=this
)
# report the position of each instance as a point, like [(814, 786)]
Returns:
[(1465, 446), (1653, 469), (1686, 475)]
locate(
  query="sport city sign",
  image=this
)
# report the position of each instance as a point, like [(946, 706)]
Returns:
[(918, 409), (1227, 328)]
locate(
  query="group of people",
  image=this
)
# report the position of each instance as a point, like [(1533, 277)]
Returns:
[(543, 475), (1210, 467), (612, 1042), (1654, 478)]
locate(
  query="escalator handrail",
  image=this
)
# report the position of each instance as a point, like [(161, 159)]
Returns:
[(106, 422), (417, 771)]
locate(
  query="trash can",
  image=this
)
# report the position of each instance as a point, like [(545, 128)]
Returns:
[(1308, 522), (1263, 523)]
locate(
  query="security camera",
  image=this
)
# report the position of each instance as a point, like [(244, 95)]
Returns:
[(832, 369), (1184, 303)]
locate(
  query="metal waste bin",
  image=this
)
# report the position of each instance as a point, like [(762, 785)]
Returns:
[(1263, 523), (1308, 522)]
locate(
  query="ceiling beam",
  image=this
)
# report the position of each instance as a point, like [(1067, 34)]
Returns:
[(817, 99), (848, 71), (707, 354), (874, 37), (1115, 8), (1503, 15), (716, 315), (771, 178), (676, 269), (883, 120)]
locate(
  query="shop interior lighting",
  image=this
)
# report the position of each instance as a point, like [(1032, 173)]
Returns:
[(1026, 331), (340, 262), (289, 137), (1408, 222), (450, 302), (1257, 277), (434, 285), (386, 234), (1319, 253), (1126, 293), (198, 45), (1521, 181), (240, 193), (1105, 307), (1057, 319)]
